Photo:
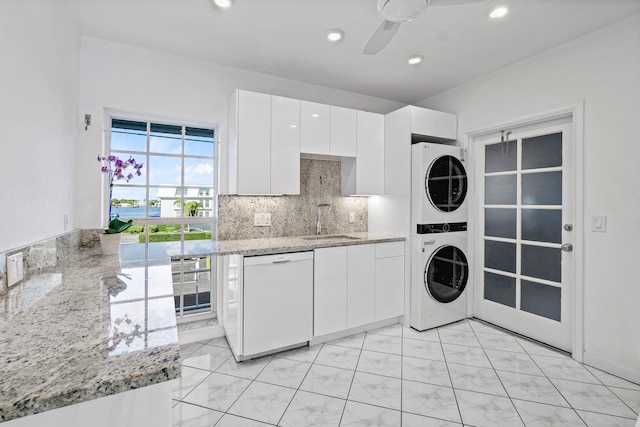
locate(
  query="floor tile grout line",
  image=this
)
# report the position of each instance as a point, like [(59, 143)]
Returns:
[(446, 363), (622, 400), (302, 381), (500, 379), (352, 379)]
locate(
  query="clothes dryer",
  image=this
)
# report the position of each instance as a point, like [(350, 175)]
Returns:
[(439, 280), (438, 186)]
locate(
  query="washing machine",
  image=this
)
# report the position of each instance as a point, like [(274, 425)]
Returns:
[(440, 274), (438, 186)]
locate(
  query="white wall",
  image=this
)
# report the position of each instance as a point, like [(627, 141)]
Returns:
[(603, 68), (128, 78), (38, 120)]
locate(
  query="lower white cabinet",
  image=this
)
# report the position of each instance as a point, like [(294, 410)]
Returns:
[(356, 285), (360, 284), (389, 286), (329, 290)]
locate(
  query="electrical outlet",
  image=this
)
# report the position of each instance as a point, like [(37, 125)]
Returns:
[(262, 220), (15, 269), (352, 217), (599, 224)]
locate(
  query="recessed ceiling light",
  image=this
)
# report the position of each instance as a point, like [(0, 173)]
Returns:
[(499, 11), (223, 4), (335, 35), (415, 59)]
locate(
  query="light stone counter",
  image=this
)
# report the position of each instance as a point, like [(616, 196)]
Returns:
[(90, 328), (274, 245)]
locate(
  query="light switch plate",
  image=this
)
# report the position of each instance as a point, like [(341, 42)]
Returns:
[(599, 224), (352, 217), (262, 220)]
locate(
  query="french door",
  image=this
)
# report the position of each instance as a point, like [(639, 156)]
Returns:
[(524, 231)]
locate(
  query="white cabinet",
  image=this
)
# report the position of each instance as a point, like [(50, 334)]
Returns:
[(356, 285), (315, 123), (343, 132), (252, 142), (360, 285), (389, 280), (285, 145), (330, 290), (364, 175), (433, 123), (264, 148)]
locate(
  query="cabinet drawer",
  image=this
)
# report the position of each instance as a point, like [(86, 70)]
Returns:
[(386, 250)]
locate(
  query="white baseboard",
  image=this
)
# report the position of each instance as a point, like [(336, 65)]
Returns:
[(200, 334), (352, 331), (612, 368)]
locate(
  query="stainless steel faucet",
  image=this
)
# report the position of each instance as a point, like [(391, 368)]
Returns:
[(319, 222)]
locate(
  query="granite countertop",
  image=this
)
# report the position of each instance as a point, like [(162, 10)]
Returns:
[(272, 245), (91, 327)]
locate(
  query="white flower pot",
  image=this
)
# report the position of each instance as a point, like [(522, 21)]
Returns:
[(110, 243)]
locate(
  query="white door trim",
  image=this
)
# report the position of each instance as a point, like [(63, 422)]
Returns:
[(576, 112)]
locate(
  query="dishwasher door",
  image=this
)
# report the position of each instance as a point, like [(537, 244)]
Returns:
[(278, 301)]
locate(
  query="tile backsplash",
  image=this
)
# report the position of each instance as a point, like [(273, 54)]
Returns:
[(295, 215)]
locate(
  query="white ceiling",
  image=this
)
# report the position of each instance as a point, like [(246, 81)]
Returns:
[(286, 38)]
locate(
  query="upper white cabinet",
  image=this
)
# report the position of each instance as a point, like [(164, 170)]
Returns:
[(433, 123), (364, 175), (343, 132), (285, 145), (315, 128), (264, 144)]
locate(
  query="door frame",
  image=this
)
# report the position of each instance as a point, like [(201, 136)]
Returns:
[(576, 113)]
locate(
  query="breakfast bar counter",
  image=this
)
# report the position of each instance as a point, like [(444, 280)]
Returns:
[(94, 326)]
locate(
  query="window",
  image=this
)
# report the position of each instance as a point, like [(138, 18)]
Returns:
[(177, 181)]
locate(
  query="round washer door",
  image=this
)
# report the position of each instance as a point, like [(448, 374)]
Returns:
[(446, 274), (446, 183)]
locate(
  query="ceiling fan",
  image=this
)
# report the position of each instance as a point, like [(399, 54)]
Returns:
[(396, 12)]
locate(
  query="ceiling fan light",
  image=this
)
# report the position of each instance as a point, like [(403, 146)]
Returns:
[(499, 11), (415, 59), (223, 4), (334, 35), (401, 10)]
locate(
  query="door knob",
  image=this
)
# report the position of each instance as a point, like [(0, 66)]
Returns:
[(568, 227), (567, 247)]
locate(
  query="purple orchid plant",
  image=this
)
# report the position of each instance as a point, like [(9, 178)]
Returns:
[(118, 170)]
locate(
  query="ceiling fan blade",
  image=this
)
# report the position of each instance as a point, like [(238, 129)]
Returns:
[(451, 2), (381, 37)]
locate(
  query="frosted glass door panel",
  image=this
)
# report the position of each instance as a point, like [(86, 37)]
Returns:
[(500, 289), (544, 188), (542, 225), (543, 151), (541, 262), (500, 256), (500, 223), (541, 299), (501, 157), (501, 190)]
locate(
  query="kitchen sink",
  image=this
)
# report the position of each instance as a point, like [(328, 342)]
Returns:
[(331, 237)]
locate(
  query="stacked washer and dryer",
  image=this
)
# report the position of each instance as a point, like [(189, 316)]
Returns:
[(439, 264)]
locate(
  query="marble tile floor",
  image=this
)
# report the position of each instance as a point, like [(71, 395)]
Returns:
[(466, 373)]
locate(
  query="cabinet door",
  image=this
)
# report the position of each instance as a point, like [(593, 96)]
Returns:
[(360, 285), (330, 290), (285, 145), (433, 123), (343, 132), (389, 289), (370, 154), (315, 123), (254, 142)]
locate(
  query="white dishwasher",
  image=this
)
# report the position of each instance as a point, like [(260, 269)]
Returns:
[(277, 302)]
